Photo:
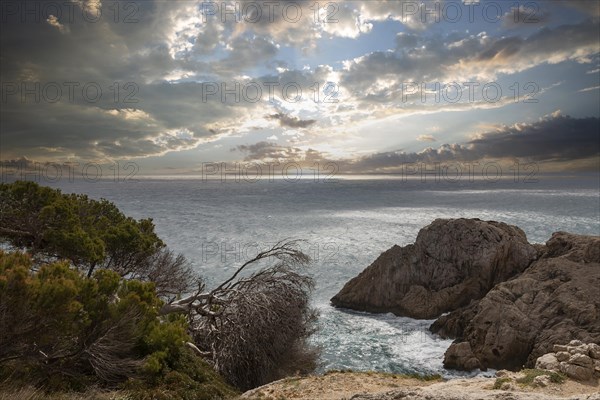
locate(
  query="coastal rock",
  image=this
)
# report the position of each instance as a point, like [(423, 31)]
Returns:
[(576, 372), (581, 360), (559, 348), (556, 300), (577, 365), (547, 361), (451, 263), (594, 351), (462, 357), (541, 381)]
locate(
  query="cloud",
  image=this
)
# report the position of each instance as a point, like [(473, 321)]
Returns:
[(268, 151), (172, 49), (426, 138), (53, 21), (464, 58), (589, 89), (291, 122), (552, 139), (590, 7), (524, 16)]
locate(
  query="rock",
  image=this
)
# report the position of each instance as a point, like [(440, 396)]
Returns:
[(559, 348), (563, 356), (597, 366), (451, 263), (575, 343), (576, 372), (507, 386), (547, 361), (594, 351), (461, 357), (581, 360), (541, 381), (554, 301), (501, 372), (582, 349)]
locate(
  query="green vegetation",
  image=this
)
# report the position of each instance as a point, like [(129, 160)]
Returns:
[(90, 234), (530, 374), (91, 299), (63, 331), (499, 382)]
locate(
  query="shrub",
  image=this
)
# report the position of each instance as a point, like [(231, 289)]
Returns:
[(499, 382), (530, 374), (91, 234), (64, 331)]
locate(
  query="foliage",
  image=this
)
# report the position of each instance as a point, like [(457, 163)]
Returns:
[(64, 331), (91, 234), (499, 382), (189, 377), (530, 374), (84, 305)]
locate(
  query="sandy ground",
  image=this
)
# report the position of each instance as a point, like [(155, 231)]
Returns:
[(339, 386)]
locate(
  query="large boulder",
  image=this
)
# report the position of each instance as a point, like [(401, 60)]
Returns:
[(451, 263), (556, 300)]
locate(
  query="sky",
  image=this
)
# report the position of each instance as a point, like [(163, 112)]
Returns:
[(369, 86)]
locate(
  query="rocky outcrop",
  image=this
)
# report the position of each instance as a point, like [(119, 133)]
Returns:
[(509, 302), (451, 263), (576, 360), (556, 300)]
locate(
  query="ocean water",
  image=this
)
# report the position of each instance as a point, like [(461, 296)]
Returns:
[(346, 224)]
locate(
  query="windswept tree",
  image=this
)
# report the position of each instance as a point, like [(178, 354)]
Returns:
[(254, 327), (91, 234)]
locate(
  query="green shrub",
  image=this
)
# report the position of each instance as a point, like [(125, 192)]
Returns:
[(63, 331), (530, 374), (499, 382), (90, 234)]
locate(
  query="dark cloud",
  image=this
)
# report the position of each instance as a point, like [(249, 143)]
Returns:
[(291, 122), (267, 151), (22, 163), (552, 139), (559, 138), (531, 15), (590, 7)]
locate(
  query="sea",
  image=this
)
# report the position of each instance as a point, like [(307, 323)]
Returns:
[(345, 223)]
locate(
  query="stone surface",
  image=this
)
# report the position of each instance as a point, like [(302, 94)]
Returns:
[(582, 360), (541, 381), (556, 300), (451, 263), (559, 348), (594, 351), (547, 361), (461, 357), (562, 356), (576, 372)]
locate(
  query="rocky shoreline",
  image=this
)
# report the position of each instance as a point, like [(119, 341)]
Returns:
[(506, 302)]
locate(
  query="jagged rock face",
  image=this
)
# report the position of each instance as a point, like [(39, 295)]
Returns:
[(578, 361), (451, 263), (555, 300)]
